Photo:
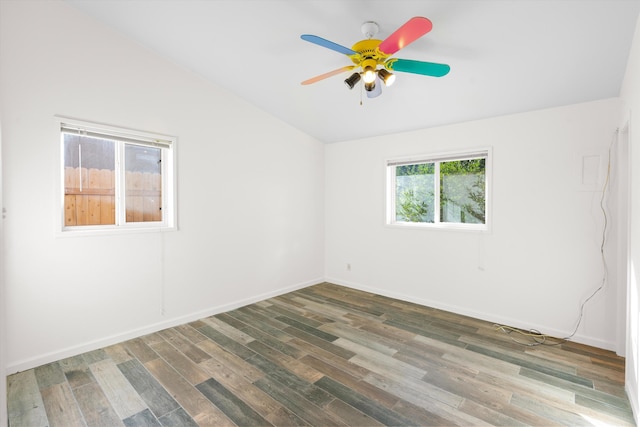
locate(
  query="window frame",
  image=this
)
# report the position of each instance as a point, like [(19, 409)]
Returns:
[(437, 158), (121, 136)]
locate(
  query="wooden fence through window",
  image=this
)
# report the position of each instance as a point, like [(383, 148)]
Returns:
[(93, 202)]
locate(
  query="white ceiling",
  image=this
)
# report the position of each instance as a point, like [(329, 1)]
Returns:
[(506, 56)]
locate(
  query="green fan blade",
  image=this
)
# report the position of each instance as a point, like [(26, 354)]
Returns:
[(418, 67)]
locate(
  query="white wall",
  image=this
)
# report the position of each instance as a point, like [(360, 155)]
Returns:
[(250, 192), (542, 256), (631, 116)]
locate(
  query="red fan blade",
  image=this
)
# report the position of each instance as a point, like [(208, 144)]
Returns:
[(329, 74), (412, 30)]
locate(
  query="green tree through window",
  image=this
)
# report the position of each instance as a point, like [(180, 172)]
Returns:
[(460, 185)]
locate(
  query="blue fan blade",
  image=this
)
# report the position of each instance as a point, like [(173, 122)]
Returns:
[(419, 67), (328, 44)]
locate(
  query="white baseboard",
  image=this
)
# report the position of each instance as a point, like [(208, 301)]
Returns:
[(52, 356), (582, 339)]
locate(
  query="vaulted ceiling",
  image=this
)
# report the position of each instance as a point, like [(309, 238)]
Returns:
[(506, 56)]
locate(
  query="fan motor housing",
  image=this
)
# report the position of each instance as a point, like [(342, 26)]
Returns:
[(368, 50)]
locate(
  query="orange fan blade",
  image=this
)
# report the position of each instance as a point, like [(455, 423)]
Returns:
[(329, 74)]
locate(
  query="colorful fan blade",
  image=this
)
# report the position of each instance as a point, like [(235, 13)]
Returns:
[(328, 44), (412, 30), (419, 67), (329, 74)]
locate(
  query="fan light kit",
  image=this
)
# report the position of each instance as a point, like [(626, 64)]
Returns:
[(372, 57)]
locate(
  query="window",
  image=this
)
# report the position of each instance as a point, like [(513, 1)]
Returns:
[(115, 178), (447, 191)]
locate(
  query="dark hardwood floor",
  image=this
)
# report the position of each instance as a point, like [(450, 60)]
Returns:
[(326, 356)]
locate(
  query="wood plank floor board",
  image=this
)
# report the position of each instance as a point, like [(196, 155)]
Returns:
[(95, 407), (250, 317), (391, 333), (183, 345), (228, 359), (258, 400), (141, 350), (230, 331), (301, 370), (362, 403), (49, 375), (376, 394), (543, 369), (450, 415), (232, 320), (576, 388), (493, 416), (367, 339), (425, 332), (292, 314), (291, 399), (25, 405), (433, 363), (288, 304), (316, 353), (319, 342), (177, 418), (326, 355), (418, 393), (523, 386), (336, 314), (351, 415), (151, 339), (95, 356), (264, 338), (77, 372), (235, 408), (284, 417), (150, 390), (121, 394), (190, 333), (553, 413), (144, 418), (469, 388), (273, 337), (258, 316), (615, 411), (118, 353), (226, 342), (287, 378), (189, 398), (61, 406), (337, 300), (308, 329), (515, 351), (380, 362), (472, 361), (181, 363)]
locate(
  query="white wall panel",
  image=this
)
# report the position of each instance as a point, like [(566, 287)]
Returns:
[(250, 192), (542, 255)]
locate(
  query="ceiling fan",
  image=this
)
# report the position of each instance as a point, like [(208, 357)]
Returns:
[(372, 58)]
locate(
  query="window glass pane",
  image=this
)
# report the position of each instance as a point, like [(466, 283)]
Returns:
[(143, 183), (415, 193), (462, 191), (89, 180)]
